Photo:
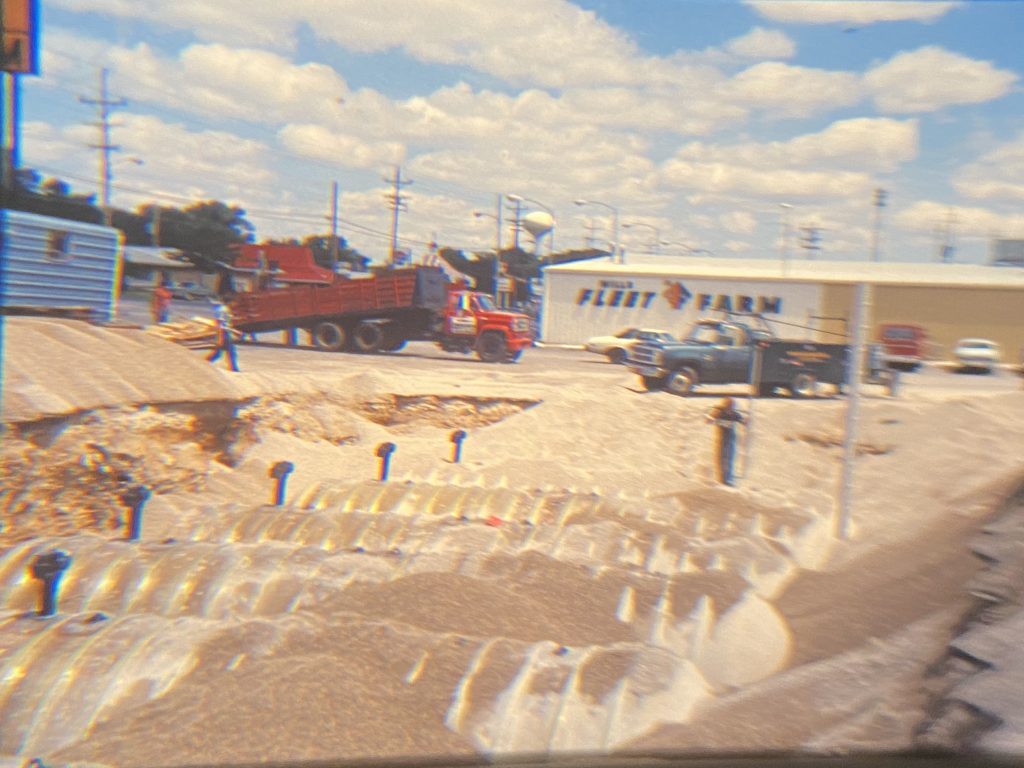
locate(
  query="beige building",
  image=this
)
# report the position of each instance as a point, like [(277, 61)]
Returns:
[(951, 301)]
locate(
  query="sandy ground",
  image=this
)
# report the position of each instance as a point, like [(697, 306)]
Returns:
[(578, 581)]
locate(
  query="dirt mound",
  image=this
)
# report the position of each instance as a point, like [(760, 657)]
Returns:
[(56, 367)]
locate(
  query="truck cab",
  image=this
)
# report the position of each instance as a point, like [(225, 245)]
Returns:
[(904, 345), (472, 322)]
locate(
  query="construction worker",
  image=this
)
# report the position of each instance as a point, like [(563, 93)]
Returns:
[(160, 303), (726, 418), (225, 341)]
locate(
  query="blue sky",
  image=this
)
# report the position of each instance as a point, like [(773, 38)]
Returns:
[(698, 121)]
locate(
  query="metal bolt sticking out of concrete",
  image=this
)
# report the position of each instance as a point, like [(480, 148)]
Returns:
[(457, 437), (48, 569), (384, 451), (280, 472), (135, 496)]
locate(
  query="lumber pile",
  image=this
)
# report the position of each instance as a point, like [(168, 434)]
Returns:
[(195, 333)]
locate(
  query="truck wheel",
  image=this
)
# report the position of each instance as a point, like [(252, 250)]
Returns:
[(491, 347), (330, 337), (804, 385), (368, 338), (652, 383), (682, 381), (616, 356)]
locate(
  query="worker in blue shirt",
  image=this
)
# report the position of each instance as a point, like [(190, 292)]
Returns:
[(225, 341)]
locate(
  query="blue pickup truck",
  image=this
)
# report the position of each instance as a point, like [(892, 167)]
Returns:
[(747, 351)]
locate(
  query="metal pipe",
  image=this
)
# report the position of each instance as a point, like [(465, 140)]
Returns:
[(384, 451), (135, 496), (456, 438), (854, 373), (280, 472), (48, 569)]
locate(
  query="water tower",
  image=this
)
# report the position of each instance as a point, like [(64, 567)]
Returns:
[(538, 224)]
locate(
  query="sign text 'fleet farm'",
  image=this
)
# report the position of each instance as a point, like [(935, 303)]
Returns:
[(624, 294)]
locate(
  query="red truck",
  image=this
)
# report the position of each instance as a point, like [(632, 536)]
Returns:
[(904, 345), (381, 310)]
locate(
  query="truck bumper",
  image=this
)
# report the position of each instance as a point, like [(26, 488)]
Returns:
[(649, 370)]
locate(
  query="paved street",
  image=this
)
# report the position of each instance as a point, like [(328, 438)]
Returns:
[(269, 354)]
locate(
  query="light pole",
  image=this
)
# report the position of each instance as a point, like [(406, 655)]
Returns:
[(879, 203), (616, 254), (517, 199), (657, 232), (497, 246), (785, 208)]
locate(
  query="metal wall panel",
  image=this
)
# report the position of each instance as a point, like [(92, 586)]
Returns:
[(58, 263)]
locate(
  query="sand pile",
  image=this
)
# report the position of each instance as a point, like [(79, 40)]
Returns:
[(578, 581)]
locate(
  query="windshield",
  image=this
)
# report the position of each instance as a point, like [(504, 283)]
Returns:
[(900, 334), (704, 334), (273, 490), (485, 303)]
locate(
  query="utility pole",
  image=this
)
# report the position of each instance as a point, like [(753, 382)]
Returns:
[(155, 231), (334, 226), (517, 223), (103, 104), (811, 241), (590, 239), (397, 202), (879, 203)]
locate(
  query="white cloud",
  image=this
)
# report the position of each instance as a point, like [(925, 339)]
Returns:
[(831, 162), (547, 42), (321, 143), (793, 91), (996, 175), (761, 43), (851, 12), (931, 78), (924, 216), (740, 222)]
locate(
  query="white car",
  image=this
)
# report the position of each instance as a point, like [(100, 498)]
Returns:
[(976, 355), (616, 347)]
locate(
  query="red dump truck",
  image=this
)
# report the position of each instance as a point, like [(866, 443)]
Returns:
[(382, 310)]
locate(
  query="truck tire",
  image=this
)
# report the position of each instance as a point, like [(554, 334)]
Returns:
[(368, 338), (393, 339), (491, 347), (652, 383), (330, 337), (804, 385), (682, 381), (616, 356)]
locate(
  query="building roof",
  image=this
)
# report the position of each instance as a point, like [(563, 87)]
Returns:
[(152, 256), (793, 270)]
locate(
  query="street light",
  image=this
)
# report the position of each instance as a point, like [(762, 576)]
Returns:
[(657, 232), (615, 226)]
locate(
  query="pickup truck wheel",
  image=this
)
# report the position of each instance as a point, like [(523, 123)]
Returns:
[(616, 356), (804, 385), (330, 337), (491, 347), (652, 383), (682, 381), (368, 338)]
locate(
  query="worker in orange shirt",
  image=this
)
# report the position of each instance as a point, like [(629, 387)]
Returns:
[(160, 303)]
